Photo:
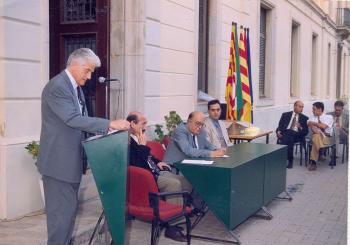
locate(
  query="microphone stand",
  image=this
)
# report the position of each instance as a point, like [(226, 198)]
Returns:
[(107, 97)]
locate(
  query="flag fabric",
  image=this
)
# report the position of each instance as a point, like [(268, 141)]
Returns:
[(231, 79), (239, 89), (239, 96), (245, 114), (249, 71)]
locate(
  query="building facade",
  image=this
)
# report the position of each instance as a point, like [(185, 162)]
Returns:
[(162, 52)]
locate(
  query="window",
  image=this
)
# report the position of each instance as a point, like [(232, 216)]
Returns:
[(203, 46), (265, 50), (314, 65), (262, 54), (328, 82), (294, 64)]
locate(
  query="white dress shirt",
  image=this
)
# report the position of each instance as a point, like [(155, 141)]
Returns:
[(326, 119), (75, 85), (295, 128)]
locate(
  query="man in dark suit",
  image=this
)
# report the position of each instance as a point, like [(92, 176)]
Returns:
[(292, 128), (140, 156), (64, 121)]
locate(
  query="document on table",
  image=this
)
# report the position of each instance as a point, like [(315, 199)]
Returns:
[(204, 162)]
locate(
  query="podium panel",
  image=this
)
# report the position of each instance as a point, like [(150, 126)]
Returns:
[(108, 157)]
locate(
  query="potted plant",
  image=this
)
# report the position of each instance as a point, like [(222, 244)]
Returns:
[(171, 121), (33, 149)]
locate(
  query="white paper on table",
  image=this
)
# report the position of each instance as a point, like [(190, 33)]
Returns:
[(204, 162), (225, 156)]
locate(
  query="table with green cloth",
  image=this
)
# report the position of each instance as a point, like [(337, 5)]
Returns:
[(236, 187)]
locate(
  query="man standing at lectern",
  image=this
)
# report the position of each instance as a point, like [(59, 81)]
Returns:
[(292, 128), (64, 121)]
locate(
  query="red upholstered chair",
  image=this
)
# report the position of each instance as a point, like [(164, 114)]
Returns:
[(146, 203), (166, 140), (157, 149)]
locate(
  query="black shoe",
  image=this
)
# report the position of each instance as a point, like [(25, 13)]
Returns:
[(313, 165), (290, 164), (174, 233)]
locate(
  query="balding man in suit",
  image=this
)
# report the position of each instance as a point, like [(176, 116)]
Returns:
[(63, 127), (190, 140), (292, 128)]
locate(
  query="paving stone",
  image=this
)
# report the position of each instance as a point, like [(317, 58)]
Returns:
[(316, 216)]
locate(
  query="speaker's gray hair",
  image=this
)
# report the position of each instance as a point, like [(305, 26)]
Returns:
[(82, 54)]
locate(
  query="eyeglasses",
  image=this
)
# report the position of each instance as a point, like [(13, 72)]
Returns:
[(199, 124)]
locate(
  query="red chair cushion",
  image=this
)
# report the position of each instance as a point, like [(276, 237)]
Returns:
[(166, 210), (140, 183)]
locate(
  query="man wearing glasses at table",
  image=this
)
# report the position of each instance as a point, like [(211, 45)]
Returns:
[(189, 140)]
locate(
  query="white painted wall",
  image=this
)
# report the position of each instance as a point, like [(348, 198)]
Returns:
[(24, 70), (170, 58), (267, 111)]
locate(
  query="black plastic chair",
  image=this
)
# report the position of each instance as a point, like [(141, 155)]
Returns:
[(302, 145)]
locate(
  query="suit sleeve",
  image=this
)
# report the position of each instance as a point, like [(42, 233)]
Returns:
[(280, 123), (305, 129), (62, 104), (181, 140), (139, 155)]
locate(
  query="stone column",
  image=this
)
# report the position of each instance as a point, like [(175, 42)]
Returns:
[(127, 56)]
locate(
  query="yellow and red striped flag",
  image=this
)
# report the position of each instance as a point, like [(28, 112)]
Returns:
[(231, 78), (245, 114)]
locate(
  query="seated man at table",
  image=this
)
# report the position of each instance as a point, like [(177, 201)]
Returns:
[(140, 156), (292, 128), (189, 140), (216, 129), (320, 125), (341, 121)]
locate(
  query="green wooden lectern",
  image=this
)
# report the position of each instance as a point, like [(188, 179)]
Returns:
[(108, 157)]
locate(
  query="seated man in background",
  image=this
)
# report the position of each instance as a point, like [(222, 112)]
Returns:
[(140, 156), (189, 140), (320, 125), (216, 129), (341, 121), (292, 128)]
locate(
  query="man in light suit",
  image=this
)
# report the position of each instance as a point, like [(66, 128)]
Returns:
[(189, 140), (216, 129), (64, 121), (341, 121)]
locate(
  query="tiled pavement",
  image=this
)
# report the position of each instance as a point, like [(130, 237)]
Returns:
[(317, 215)]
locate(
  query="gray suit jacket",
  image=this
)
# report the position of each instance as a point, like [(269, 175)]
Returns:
[(212, 134), (62, 127), (345, 121), (181, 145)]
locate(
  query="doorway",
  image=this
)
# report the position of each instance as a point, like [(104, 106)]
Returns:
[(81, 24)]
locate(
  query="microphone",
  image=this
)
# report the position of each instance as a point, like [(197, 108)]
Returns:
[(105, 80)]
